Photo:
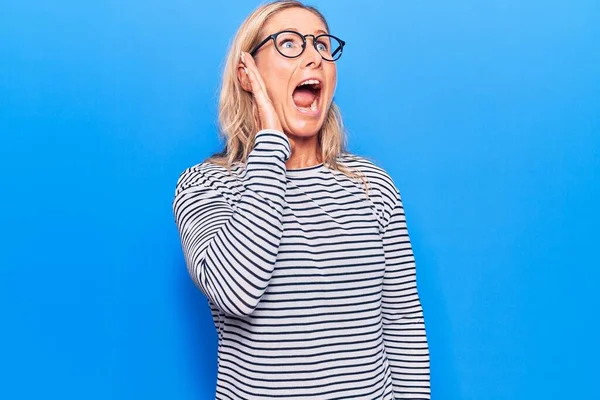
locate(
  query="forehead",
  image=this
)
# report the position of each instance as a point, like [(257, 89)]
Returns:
[(299, 19)]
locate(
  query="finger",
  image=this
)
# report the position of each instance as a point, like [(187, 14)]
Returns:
[(249, 63), (257, 89), (254, 85)]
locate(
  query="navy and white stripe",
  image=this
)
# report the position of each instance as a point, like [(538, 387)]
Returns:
[(311, 285)]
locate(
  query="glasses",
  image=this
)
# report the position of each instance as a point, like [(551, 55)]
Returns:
[(292, 44)]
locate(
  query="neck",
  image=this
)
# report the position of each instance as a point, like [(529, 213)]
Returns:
[(295, 162), (306, 152)]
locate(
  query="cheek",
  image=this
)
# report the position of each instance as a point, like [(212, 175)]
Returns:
[(331, 76), (276, 76)]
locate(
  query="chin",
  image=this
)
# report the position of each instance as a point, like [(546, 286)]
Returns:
[(304, 124), (303, 129)]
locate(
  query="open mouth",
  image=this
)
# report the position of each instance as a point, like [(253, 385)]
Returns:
[(306, 95)]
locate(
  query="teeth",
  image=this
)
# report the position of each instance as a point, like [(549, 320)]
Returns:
[(310, 82), (313, 106)]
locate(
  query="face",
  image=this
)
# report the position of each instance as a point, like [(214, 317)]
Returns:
[(302, 108)]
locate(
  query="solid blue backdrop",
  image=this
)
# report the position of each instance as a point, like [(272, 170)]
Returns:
[(486, 114)]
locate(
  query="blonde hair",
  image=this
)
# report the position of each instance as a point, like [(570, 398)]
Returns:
[(237, 122)]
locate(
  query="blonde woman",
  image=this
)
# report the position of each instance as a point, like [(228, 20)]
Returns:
[(301, 248)]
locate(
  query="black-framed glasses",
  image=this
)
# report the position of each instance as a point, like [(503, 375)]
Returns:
[(292, 44)]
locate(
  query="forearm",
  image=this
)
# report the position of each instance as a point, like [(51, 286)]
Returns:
[(404, 332), (231, 251), (407, 350)]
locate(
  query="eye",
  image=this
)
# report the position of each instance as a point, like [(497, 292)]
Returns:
[(288, 41), (287, 44), (322, 46)]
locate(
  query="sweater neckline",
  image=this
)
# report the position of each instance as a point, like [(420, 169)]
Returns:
[(305, 171)]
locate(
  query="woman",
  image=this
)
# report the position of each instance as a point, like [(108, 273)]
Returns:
[(300, 247)]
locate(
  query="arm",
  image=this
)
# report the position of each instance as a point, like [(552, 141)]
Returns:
[(230, 252), (403, 326)]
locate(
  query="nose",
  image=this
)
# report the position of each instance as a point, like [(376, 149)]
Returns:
[(311, 57)]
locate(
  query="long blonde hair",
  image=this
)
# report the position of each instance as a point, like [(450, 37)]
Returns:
[(237, 122)]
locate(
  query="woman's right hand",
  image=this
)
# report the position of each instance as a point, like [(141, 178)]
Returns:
[(267, 117)]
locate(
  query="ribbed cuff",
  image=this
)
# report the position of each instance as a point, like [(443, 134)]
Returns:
[(272, 139)]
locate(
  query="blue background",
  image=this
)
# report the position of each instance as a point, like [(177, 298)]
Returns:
[(486, 114)]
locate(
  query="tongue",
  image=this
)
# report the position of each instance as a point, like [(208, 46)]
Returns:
[(303, 97)]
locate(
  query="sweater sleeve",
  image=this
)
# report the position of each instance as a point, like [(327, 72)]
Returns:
[(403, 325), (230, 249)]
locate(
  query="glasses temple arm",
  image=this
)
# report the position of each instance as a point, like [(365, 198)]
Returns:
[(336, 51), (261, 44)]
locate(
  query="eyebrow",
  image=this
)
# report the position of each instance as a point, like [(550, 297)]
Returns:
[(318, 31)]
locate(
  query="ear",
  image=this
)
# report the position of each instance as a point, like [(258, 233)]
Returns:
[(243, 79)]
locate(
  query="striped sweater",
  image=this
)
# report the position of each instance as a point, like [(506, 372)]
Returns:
[(312, 285)]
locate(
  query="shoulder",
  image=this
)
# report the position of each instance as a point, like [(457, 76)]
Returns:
[(383, 192), (207, 176), (379, 180)]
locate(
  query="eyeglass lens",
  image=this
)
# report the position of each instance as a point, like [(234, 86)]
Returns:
[(289, 44)]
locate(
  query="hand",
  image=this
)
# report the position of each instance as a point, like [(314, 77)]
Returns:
[(263, 107)]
